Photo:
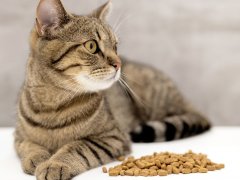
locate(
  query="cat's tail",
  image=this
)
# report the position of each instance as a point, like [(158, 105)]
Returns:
[(172, 127)]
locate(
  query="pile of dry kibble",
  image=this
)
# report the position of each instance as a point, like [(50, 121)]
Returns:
[(163, 164)]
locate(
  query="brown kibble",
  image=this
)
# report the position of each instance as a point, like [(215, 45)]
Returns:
[(211, 168), (113, 172), (153, 172), (183, 159), (149, 164), (104, 169), (188, 165), (136, 172), (163, 164), (202, 170), (122, 173), (219, 166), (162, 172), (176, 164), (198, 162), (180, 167), (186, 170), (175, 170), (130, 159), (124, 167), (144, 172), (162, 159), (204, 163), (140, 164), (194, 170), (154, 168), (121, 158), (129, 172), (131, 164), (158, 163), (169, 169)]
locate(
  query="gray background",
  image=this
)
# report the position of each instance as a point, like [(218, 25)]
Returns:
[(196, 42)]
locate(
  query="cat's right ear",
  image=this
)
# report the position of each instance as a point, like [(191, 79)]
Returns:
[(49, 16)]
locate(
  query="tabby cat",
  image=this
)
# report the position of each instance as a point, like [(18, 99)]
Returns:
[(73, 113)]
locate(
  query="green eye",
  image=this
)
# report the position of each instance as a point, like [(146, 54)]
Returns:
[(91, 46)]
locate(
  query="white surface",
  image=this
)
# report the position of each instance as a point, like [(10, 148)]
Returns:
[(221, 144)]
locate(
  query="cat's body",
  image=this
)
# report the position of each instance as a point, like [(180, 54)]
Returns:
[(71, 114)]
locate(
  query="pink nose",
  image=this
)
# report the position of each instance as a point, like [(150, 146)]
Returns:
[(116, 65)]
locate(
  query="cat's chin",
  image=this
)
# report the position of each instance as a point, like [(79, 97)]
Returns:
[(92, 85)]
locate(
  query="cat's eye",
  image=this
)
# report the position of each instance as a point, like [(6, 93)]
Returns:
[(92, 46)]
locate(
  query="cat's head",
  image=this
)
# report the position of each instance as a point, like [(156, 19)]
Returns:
[(76, 47)]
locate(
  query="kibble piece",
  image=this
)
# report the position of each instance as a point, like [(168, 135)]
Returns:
[(162, 159), (113, 172), (162, 172), (121, 158), (158, 163), (183, 159), (186, 170), (131, 164), (124, 167), (130, 159), (153, 172), (204, 163), (163, 166), (194, 170), (140, 164), (144, 172), (175, 170), (149, 164), (202, 170), (122, 172), (198, 162), (136, 172), (154, 168), (191, 161), (104, 169), (129, 172), (176, 164), (169, 169), (211, 168), (219, 166), (180, 167), (188, 165)]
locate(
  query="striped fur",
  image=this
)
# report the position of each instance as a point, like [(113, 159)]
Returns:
[(67, 125)]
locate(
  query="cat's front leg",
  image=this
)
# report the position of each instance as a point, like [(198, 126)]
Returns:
[(79, 156), (31, 155)]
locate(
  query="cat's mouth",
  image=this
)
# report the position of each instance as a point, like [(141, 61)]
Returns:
[(92, 84)]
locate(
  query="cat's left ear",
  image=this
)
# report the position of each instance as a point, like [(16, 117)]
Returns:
[(103, 11)]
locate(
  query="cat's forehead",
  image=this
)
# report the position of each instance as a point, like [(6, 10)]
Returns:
[(84, 28)]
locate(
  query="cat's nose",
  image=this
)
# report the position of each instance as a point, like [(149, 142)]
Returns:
[(116, 65), (115, 62)]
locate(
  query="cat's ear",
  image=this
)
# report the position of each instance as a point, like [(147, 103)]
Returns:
[(50, 15), (103, 11)]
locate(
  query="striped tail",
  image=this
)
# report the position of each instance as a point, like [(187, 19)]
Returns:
[(173, 127)]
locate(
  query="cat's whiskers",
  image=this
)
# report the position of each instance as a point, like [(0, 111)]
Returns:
[(123, 20), (134, 81), (125, 90), (118, 20), (135, 96)]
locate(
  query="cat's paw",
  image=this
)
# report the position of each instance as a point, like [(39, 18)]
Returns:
[(52, 170), (30, 162)]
